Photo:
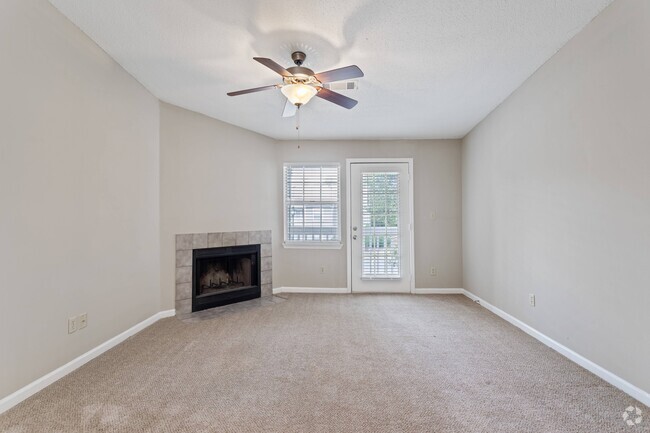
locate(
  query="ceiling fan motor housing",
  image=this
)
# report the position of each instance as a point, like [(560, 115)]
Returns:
[(301, 75)]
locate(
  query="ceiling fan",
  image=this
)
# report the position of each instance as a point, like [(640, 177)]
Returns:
[(300, 84)]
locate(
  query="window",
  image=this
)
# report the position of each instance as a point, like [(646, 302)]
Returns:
[(312, 205), (380, 254)]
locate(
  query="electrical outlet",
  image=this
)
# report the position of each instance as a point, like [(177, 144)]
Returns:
[(83, 320), (433, 271), (72, 324), (531, 300), (322, 269)]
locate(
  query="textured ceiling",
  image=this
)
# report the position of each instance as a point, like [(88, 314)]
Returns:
[(434, 68)]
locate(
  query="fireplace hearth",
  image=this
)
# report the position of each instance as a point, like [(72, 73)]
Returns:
[(225, 275)]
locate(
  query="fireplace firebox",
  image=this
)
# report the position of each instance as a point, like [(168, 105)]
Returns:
[(225, 275)]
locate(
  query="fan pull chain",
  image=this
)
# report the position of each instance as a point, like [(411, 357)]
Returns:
[(298, 125), (298, 118)]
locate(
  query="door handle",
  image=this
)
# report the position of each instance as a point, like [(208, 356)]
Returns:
[(354, 228), (354, 237)]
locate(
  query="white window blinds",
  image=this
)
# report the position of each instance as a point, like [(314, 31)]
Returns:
[(380, 255), (312, 203)]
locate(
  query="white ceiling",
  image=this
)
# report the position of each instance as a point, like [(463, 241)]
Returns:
[(433, 68)]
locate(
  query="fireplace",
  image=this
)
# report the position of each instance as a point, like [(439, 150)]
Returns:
[(225, 275)]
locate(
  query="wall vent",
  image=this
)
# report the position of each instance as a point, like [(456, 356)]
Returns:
[(342, 85)]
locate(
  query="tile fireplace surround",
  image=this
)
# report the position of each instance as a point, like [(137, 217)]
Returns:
[(185, 243)]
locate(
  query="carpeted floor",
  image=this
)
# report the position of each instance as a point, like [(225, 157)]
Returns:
[(331, 363)]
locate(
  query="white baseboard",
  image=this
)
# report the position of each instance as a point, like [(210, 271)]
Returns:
[(606, 375), (310, 290), (346, 290), (439, 291), (28, 390)]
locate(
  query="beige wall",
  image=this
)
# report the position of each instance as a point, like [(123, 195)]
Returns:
[(215, 177), (437, 188), (79, 219), (556, 196), (218, 177)]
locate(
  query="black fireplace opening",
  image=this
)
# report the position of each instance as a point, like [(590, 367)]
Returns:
[(225, 275)]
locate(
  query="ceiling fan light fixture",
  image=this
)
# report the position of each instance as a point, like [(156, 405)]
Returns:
[(298, 94), (300, 84)]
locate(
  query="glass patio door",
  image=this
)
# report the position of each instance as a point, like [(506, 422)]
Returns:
[(380, 227)]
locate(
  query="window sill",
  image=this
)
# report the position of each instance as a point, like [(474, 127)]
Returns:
[(313, 246)]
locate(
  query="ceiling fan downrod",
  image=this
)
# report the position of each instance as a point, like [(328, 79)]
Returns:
[(298, 57)]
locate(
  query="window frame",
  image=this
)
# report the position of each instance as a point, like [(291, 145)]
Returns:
[(336, 244)]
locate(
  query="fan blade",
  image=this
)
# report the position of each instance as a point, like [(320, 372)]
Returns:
[(289, 109), (272, 65), (336, 98), (346, 73), (256, 89)]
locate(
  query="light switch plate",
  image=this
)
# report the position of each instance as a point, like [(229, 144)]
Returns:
[(72, 324), (83, 320)]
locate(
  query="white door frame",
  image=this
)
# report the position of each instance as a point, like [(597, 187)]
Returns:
[(348, 211)]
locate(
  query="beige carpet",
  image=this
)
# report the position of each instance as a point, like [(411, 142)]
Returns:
[(331, 363)]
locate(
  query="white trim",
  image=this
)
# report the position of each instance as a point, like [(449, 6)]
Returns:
[(278, 290), (438, 291), (348, 216), (348, 211), (412, 222), (606, 375), (385, 291), (313, 246), (30, 389)]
